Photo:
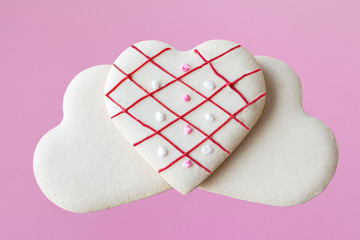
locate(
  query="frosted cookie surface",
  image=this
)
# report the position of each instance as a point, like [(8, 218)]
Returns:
[(185, 112)]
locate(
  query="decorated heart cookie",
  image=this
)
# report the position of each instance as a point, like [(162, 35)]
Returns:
[(185, 112)]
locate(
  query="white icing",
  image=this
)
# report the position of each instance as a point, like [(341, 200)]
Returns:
[(209, 85), (159, 116), (206, 150), (209, 117), (162, 152), (155, 84)]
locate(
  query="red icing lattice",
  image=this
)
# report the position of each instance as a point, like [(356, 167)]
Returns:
[(181, 117)]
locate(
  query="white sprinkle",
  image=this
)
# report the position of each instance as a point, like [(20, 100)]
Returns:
[(209, 117), (155, 84), (159, 116), (209, 85), (162, 151), (206, 150)]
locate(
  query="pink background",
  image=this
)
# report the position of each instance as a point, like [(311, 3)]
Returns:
[(44, 44)]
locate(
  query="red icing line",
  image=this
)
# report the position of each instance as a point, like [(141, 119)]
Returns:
[(191, 110), (197, 145), (149, 59), (166, 139), (205, 62), (167, 108), (231, 116), (222, 77)]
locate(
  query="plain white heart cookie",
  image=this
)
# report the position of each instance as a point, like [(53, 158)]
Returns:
[(158, 97), (288, 158)]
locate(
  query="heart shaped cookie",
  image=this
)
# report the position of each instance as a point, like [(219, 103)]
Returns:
[(185, 112)]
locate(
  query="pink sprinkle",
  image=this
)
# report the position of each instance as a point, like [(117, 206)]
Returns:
[(187, 164), (186, 98), (187, 129), (185, 67)]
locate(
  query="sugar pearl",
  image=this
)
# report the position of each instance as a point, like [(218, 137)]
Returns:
[(209, 117), (206, 150), (187, 164), (162, 151), (187, 129), (159, 116), (185, 67), (209, 85), (186, 98), (155, 84)]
